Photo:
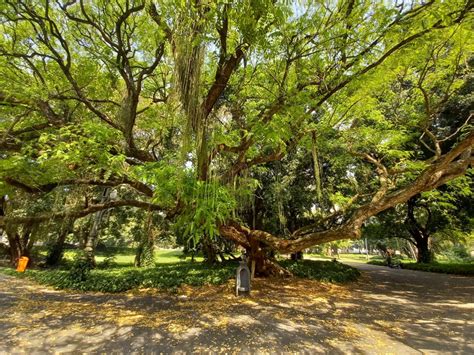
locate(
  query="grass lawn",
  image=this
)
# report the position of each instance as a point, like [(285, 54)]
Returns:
[(346, 257), (321, 270), (126, 256)]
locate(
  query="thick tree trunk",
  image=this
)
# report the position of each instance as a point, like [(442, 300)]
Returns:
[(90, 243), (419, 233), (265, 263), (421, 240), (14, 246), (56, 253), (297, 256), (259, 254), (424, 254), (209, 250), (20, 244)]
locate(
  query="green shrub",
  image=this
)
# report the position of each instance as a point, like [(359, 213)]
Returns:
[(457, 252), (120, 279), (80, 270), (378, 262), (327, 271), (109, 261), (445, 268), (170, 276), (396, 261)]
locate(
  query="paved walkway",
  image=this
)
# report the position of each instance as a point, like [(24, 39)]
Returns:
[(429, 312), (388, 311)]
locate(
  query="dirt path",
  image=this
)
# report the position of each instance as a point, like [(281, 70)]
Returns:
[(388, 311)]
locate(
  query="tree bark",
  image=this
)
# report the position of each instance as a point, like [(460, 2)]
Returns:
[(297, 256), (419, 233), (78, 213), (91, 242), (56, 253), (20, 244), (209, 250), (146, 247), (14, 246), (424, 254)]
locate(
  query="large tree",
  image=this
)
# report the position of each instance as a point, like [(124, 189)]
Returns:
[(182, 102)]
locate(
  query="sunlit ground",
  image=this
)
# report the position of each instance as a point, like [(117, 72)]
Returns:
[(388, 311)]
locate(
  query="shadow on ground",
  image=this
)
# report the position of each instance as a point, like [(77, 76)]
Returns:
[(426, 311), (388, 311)]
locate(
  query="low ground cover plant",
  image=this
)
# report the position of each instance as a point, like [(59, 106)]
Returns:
[(120, 279), (321, 270), (466, 269), (169, 275), (444, 268)]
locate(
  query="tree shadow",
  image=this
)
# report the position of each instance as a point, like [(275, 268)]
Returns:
[(385, 312)]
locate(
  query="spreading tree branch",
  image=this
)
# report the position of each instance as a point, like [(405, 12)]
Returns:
[(78, 213), (449, 166)]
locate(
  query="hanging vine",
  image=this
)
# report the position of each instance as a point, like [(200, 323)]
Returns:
[(316, 167)]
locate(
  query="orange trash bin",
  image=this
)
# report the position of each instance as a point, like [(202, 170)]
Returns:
[(22, 262)]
